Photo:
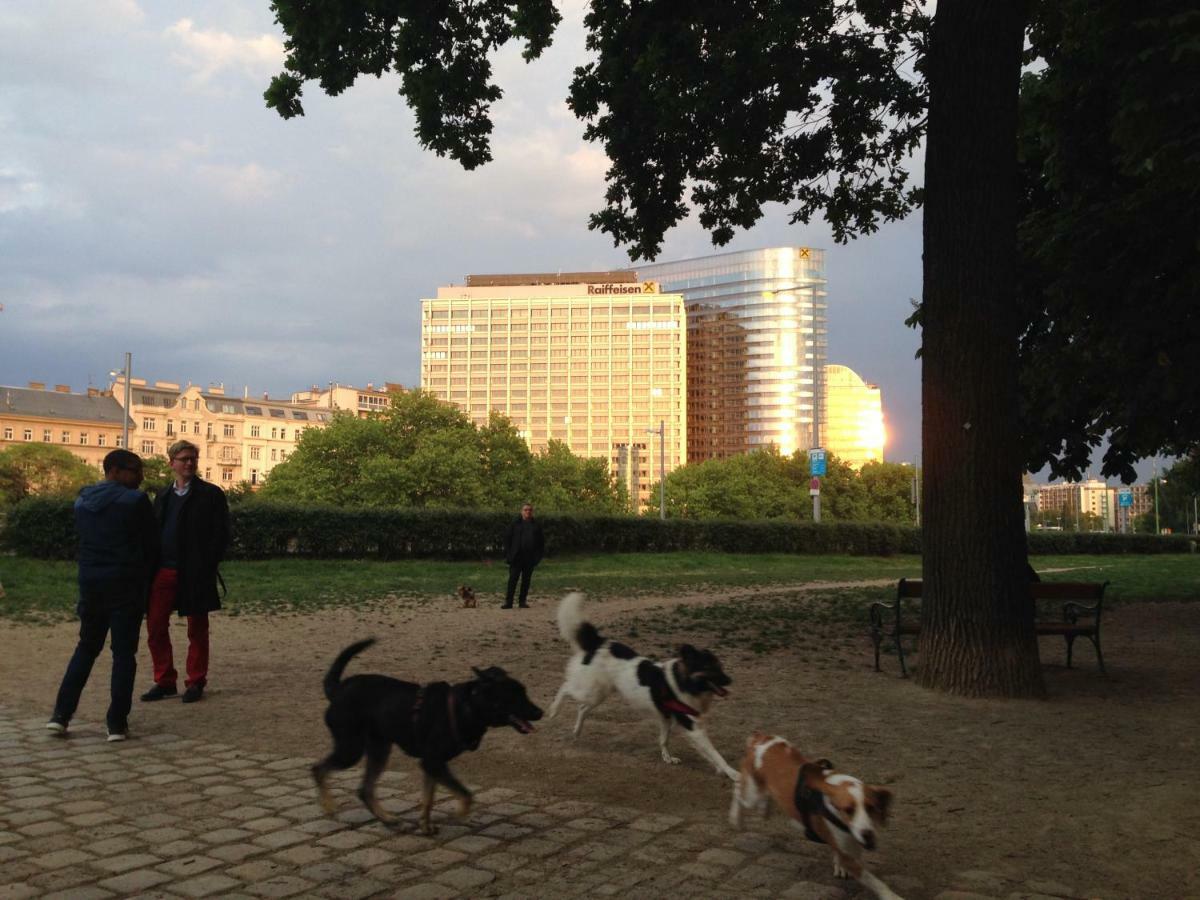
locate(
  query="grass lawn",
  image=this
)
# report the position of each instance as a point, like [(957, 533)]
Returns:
[(39, 590)]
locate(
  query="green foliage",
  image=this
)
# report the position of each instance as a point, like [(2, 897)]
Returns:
[(424, 453), (43, 470), (42, 527), (441, 53), (156, 474), (766, 485), (1110, 269)]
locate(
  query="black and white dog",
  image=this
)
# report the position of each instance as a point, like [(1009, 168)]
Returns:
[(677, 690)]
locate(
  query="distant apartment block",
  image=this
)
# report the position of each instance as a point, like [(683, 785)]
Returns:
[(854, 430), (89, 425), (347, 398), (1068, 500), (756, 343), (593, 359)]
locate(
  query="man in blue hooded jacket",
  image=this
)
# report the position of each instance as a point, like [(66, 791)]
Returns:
[(118, 549)]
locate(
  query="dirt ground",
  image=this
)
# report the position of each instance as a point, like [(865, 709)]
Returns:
[(1095, 788)]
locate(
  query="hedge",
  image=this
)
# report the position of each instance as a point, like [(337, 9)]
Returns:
[(44, 528)]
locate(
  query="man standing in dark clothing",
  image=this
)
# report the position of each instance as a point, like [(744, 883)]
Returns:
[(523, 547), (118, 544), (193, 516)]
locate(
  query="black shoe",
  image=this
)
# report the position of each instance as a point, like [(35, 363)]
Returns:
[(506, 606), (58, 725), (194, 693), (523, 605), (159, 692), (118, 733)]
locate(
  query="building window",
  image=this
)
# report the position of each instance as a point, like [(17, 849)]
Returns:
[(227, 430), (147, 424), (120, 441), (196, 406), (27, 434), (195, 427), (254, 476), (208, 474), (227, 474), (274, 433), (256, 453), (8, 433), (147, 447), (102, 440), (66, 437), (83, 438), (254, 430), (170, 428), (274, 454), (46, 436), (208, 430)]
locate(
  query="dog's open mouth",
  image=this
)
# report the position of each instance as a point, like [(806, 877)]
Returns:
[(520, 724), (720, 691)]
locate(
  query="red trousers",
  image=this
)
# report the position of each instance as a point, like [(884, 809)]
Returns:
[(158, 636)]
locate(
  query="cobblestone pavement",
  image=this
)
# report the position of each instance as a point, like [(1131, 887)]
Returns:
[(161, 816)]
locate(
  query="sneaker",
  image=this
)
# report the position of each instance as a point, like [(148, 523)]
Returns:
[(158, 692), (118, 734), (57, 724), (193, 693)]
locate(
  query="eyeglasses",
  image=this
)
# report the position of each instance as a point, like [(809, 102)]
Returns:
[(185, 459)]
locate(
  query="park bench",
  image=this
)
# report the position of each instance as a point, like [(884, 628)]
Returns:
[(894, 622)]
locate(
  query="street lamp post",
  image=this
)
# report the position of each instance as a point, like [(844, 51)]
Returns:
[(1156, 528), (125, 373), (661, 431)]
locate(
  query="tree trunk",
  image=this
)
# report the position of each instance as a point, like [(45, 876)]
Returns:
[(977, 635)]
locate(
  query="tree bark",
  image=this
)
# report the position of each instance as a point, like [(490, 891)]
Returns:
[(977, 635)]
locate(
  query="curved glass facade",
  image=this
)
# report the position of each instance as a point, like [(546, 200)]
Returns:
[(854, 429), (755, 348)]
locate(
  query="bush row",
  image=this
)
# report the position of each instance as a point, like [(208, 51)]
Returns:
[(44, 528)]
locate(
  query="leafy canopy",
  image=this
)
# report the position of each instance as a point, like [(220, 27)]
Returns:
[(43, 470)]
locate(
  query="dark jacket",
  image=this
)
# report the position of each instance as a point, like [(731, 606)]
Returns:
[(203, 533), (524, 542), (118, 545)]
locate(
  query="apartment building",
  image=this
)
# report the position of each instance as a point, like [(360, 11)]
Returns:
[(89, 424), (596, 360), (347, 398)]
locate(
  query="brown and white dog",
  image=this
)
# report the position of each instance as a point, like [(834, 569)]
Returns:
[(466, 593), (832, 808)]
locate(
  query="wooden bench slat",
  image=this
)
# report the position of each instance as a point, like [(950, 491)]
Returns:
[(1073, 594)]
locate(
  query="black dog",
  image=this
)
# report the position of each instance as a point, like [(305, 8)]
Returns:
[(434, 723)]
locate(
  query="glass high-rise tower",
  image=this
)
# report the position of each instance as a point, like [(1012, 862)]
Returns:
[(756, 342)]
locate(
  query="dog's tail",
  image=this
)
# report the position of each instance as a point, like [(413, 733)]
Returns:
[(334, 676), (571, 625)]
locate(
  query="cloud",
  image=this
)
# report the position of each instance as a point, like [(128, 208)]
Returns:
[(210, 53)]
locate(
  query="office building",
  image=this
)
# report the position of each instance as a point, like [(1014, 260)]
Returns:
[(756, 342), (854, 430), (593, 359)]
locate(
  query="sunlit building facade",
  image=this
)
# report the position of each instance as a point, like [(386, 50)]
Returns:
[(854, 430), (595, 360), (756, 341)]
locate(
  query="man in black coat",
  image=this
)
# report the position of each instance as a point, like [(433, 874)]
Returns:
[(193, 518), (523, 548), (118, 545)]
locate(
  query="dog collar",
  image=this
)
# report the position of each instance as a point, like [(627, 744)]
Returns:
[(810, 802)]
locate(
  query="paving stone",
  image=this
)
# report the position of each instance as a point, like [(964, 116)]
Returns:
[(301, 855), (506, 832), (225, 835), (279, 886), (428, 890), (346, 840), (535, 847), (257, 870), (67, 878), (368, 857), (164, 835), (720, 857), (247, 813), (356, 889), (17, 891), (89, 892), (134, 882), (436, 859), (60, 858), (700, 870), (206, 885), (473, 843), (189, 865), (329, 870), (655, 824), (7, 854), (38, 829), (466, 878), (277, 839), (176, 849), (235, 852), (267, 823), (126, 863), (113, 845)]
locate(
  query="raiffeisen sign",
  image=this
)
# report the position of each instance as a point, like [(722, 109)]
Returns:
[(646, 287)]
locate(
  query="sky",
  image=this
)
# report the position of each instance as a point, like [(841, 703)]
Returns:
[(151, 203)]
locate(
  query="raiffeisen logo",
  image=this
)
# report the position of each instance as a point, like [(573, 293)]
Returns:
[(646, 287)]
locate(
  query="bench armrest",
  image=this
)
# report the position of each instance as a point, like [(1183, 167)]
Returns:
[(1072, 610), (877, 610)]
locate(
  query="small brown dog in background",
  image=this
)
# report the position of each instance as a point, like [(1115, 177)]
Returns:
[(467, 593)]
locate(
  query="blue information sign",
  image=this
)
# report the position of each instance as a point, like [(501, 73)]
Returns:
[(1125, 496), (816, 463)]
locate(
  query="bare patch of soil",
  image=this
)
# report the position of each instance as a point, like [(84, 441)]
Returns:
[(1094, 788)]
